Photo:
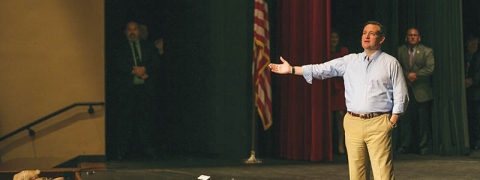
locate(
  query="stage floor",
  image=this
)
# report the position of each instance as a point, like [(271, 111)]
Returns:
[(410, 166)]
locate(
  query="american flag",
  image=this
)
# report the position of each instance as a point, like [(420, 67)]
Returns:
[(261, 59)]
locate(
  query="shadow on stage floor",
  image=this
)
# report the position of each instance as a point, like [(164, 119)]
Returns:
[(410, 166)]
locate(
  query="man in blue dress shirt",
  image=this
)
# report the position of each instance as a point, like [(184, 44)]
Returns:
[(376, 95)]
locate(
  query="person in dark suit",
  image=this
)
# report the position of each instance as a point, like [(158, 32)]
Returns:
[(136, 69), (472, 85), (418, 63)]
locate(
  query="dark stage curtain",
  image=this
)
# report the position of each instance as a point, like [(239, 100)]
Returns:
[(440, 24), (302, 109), (449, 123)]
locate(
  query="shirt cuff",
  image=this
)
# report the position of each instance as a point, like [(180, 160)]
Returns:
[(307, 73)]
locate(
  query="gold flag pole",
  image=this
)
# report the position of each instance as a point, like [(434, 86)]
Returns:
[(252, 159)]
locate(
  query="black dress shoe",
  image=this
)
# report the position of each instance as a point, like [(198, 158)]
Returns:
[(424, 151), (151, 153), (120, 158), (402, 151), (152, 156), (476, 146)]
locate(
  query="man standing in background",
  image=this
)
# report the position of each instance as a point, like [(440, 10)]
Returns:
[(136, 68), (417, 63), (472, 85)]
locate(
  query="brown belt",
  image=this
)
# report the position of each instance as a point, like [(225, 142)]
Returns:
[(368, 115)]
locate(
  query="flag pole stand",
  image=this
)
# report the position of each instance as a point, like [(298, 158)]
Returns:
[(252, 159)]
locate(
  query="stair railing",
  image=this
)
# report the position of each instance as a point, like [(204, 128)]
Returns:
[(32, 132)]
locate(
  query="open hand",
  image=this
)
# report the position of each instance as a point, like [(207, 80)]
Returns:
[(139, 70), (283, 68)]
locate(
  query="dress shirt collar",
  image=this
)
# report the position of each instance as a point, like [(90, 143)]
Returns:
[(373, 56), (135, 42), (412, 49)]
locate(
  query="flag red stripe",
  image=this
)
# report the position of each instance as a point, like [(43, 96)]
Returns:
[(261, 59)]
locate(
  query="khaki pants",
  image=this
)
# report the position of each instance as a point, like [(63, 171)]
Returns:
[(369, 139)]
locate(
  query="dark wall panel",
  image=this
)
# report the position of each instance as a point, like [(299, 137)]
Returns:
[(206, 92)]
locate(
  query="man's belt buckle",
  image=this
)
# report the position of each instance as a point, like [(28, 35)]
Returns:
[(368, 116)]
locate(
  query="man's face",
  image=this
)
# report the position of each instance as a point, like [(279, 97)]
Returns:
[(472, 46), (371, 39), (413, 37), (143, 32), (132, 32), (159, 44)]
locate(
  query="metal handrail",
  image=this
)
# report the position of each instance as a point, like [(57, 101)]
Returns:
[(32, 133)]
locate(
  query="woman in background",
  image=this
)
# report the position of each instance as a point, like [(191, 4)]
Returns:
[(338, 92)]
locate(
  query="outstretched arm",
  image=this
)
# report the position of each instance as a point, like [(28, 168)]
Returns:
[(285, 68)]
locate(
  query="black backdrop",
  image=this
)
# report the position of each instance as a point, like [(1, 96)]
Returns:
[(206, 93)]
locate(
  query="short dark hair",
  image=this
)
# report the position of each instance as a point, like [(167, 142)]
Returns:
[(382, 30), (131, 22), (470, 37), (410, 28)]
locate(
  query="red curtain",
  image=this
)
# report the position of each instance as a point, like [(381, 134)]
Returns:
[(305, 130)]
